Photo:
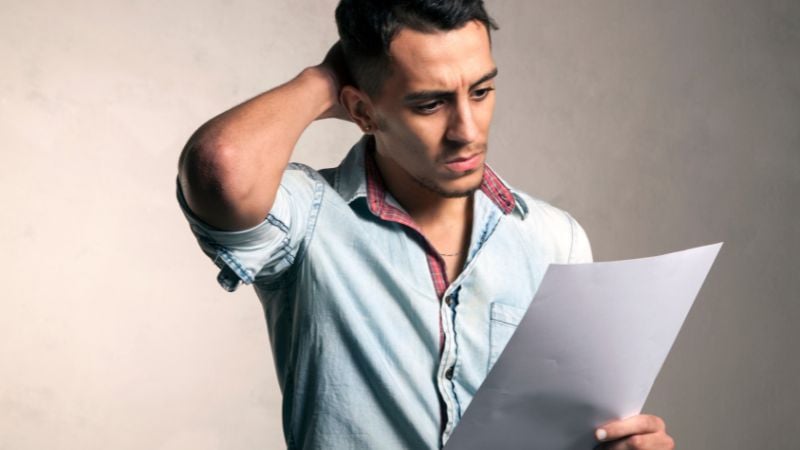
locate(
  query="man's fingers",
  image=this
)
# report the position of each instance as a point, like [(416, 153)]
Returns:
[(652, 441), (641, 424), (335, 61)]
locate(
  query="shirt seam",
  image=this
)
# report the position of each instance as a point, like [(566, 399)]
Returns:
[(316, 206)]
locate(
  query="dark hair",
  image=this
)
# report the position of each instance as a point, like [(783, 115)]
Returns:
[(367, 27)]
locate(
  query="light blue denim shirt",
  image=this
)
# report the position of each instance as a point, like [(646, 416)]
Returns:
[(353, 315)]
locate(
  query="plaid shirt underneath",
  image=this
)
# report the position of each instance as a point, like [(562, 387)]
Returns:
[(491, 185)]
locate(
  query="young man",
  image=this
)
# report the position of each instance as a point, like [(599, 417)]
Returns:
[(392, 282)]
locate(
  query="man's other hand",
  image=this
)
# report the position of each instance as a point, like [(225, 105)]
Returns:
[(334, 68), (642, 432)]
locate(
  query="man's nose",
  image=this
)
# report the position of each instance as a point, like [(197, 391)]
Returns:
[(462, 127)]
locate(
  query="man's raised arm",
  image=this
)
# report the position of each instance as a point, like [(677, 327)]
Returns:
[(231, 167)]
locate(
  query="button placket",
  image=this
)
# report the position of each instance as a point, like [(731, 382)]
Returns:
[(448, 359)]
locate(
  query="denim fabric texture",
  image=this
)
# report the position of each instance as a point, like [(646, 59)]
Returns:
[(353, 315)]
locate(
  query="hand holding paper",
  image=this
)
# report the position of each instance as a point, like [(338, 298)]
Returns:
[(587, 352), (634, 433)]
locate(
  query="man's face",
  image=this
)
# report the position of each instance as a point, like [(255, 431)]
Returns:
[(434, 109)]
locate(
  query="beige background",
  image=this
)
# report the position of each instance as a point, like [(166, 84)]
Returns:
[(658, 124)]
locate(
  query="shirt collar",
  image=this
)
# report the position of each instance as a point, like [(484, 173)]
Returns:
[(358, 177)]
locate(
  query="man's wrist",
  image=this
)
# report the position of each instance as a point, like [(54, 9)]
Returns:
[(320, 83)]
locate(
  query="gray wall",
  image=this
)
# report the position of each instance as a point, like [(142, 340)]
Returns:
[(659, 124)]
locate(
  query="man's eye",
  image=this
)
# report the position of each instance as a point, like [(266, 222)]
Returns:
[(482, 93), (428, 107)]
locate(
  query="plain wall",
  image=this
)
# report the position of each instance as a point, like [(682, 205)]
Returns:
[(660, 125)]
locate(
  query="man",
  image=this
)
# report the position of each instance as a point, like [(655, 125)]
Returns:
[(392, 282)]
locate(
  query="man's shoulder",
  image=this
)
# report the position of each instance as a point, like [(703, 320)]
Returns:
[(347, 178), (542, 219), (535, 208), (301, 176)]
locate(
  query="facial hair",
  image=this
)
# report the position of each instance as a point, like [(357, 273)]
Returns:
[(438, 189)]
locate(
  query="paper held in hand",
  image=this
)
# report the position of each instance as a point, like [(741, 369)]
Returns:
[(586, 352)]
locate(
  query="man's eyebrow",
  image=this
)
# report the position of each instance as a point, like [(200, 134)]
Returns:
[(429, 95)]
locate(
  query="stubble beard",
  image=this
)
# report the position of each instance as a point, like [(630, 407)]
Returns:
[(438, 189)]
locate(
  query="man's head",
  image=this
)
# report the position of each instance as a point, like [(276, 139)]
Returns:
[(425, 77), (367, 27)]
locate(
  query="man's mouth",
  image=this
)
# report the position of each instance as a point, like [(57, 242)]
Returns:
[(464, 163)]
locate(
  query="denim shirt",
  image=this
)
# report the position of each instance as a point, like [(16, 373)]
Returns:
[(371, 351)]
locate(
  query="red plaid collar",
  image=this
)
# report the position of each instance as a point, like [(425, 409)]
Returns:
[(492, 186)]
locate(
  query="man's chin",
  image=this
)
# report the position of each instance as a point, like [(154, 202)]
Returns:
[(458, 194), (457, 188)]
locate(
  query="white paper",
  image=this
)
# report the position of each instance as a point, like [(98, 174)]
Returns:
[(586, 352)]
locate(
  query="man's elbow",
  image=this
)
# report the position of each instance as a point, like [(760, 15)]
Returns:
[(206, 173)]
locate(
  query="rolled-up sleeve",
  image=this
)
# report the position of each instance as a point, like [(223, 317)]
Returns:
[(269, 249)]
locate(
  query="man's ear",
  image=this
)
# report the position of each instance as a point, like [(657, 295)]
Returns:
[(359, 106)]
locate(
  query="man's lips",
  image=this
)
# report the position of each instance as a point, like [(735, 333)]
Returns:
[(464, 163)]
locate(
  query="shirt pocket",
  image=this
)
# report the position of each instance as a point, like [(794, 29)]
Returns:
[(503, 323)]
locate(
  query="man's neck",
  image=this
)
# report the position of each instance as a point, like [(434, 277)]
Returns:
[(445, 222), (428, 208)]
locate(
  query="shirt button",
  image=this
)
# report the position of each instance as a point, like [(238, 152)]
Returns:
[(448, 300), (449, 373)]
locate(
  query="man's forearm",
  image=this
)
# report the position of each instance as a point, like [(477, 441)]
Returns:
[(231, 167)]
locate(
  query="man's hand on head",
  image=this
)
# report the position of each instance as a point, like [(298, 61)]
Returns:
[(642, 432), (334, 68)]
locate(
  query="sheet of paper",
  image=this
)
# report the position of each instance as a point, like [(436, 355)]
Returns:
[(587, 351)]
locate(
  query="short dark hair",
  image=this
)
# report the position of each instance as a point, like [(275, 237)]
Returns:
[(367, 27)]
